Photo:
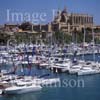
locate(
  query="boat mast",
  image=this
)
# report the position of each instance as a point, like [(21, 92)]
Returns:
[(84, 43), (93, 44)]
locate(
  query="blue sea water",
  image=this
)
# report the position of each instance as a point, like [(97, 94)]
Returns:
[(90, 91)]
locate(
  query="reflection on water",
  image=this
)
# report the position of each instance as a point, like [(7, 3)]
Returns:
[(28, 96)]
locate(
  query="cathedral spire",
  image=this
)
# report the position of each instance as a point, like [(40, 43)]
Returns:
[(65, 9)]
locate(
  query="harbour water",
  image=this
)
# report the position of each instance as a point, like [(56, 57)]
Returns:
[(90, 91)]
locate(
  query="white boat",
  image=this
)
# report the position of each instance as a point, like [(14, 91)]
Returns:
[(0, 91), (37, 81), (43, 64), (62, 65), (22, 87), (87, 71), (74, 69)]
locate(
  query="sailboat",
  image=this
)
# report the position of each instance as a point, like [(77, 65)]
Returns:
[(91, 67)]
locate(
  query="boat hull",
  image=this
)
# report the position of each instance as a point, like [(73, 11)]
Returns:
[(22, 91), (87, 72)]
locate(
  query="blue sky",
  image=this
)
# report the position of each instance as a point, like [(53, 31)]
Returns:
[(75, 6)]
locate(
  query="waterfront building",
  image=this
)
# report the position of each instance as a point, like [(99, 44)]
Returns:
[(67, 23)]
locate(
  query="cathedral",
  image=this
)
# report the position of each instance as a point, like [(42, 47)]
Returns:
[(68, 22)]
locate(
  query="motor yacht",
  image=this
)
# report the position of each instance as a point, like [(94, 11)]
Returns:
[(22, 87)]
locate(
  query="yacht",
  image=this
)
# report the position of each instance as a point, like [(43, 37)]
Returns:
[(37, 80), (0, 91), (74, 69), (22, 87), (87, 71)]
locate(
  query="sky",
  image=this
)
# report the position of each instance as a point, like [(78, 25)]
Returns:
[(90, 7)]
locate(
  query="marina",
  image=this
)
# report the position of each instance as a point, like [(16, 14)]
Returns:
[(49, 50), (20, 77), (46, 92)]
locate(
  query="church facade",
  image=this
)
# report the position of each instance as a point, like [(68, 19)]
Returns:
[(67, 22)]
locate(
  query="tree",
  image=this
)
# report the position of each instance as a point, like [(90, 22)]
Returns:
[(67, 38), (26, 26), (62, 37), (59, 36)]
